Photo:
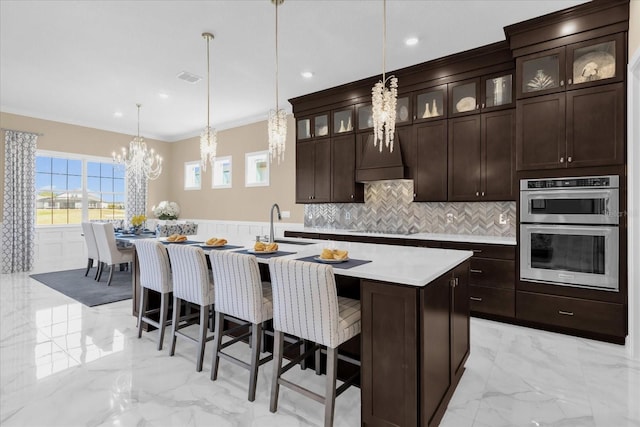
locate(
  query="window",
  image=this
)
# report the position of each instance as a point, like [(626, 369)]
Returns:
[(70, 189), (192, 176), (221, 177), (105, 191), (257, 169)]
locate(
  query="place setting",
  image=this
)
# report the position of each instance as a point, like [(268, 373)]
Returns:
[(217, 244), (265, 250), (337, 257)]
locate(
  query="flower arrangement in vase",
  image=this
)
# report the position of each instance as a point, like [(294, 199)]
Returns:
[(137, 221), (166, 210)]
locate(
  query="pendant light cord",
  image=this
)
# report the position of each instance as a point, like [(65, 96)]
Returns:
[(384, 39), (277, 108), (208, 81), (139, 105)]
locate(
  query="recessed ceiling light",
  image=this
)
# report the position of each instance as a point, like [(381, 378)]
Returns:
[(307, 74), (117, 114), (411, 41), (163, 95)]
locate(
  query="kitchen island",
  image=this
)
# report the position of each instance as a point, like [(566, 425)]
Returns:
[(415, 326)]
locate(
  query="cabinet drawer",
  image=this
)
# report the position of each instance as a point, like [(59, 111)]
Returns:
[(500, 302), (494, 273), (483, 250), (593, 316)]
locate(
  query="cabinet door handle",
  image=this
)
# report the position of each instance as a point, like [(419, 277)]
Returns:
[(570, 81), (475, 299), (352, 197), (482, 194), (414, 195), (477, 106), (482, 105), (561, 83), (565, 313), (569, 159), (477, 193), (475, 271), (561, 159)]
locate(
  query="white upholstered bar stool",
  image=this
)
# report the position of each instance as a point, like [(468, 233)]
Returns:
[(109, 252), (242, 295), (191, 283), (155, 275), (306, 304), (92, 247)]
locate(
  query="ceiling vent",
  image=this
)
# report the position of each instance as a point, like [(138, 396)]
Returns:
[(189, 77)]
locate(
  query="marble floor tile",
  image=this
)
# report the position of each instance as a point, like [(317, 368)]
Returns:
[(64, 364)]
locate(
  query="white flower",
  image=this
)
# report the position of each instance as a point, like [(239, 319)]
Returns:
[(166, 210)]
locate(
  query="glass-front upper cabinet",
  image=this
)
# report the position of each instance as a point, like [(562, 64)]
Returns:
[(403, 110), (540, 73), (343, 121), (589, 63), (364, 113), (595, 62), (315, 126), (464, 97), (497, 91), (431, 104)]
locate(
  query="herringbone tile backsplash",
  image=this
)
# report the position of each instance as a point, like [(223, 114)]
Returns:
[(389, 207)]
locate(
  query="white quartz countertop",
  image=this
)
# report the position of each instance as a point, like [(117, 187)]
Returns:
[(397, 264), (463, 238)]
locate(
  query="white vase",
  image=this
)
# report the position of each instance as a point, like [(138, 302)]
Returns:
[(342, 128), (434, 110), (427, 113)]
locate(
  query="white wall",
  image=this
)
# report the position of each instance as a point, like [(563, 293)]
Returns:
[(633, 198)]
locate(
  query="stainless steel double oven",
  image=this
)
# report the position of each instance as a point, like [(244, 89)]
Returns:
[(569, 231)]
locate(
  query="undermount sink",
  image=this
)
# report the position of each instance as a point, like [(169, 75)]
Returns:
[(292, 242)]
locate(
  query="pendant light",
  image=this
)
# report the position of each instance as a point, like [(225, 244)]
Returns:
[(384, 99), (277, 122), (208, 137)]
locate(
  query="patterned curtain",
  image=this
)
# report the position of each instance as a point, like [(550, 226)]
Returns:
[(136, 195), (18, 215)]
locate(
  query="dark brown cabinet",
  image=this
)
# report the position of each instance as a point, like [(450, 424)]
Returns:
[(430, 176), (481, 157), (597, 317), (578, 128), (578, 65), (313, 171), (491, 279), (482, 94), (344, 188)]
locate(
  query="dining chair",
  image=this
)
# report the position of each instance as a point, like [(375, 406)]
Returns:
[(306, 304), (191, 283), (92, 248), (240, 294), (110, 253), (155, 275)]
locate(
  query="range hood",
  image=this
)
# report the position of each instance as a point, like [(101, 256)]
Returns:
[(374, 165)]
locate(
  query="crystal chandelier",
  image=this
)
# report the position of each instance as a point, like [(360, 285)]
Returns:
[(384, 99), (277, 123), (142, 162), (208, 137)]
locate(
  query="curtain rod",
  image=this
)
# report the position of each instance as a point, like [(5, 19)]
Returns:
[(15, 130)]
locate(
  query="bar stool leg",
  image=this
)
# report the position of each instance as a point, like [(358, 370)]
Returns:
[(330, 395), (217, 343), (256, 338), (141, 309), (202, 338), (174, 324), (164, 312), (277, 362)]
